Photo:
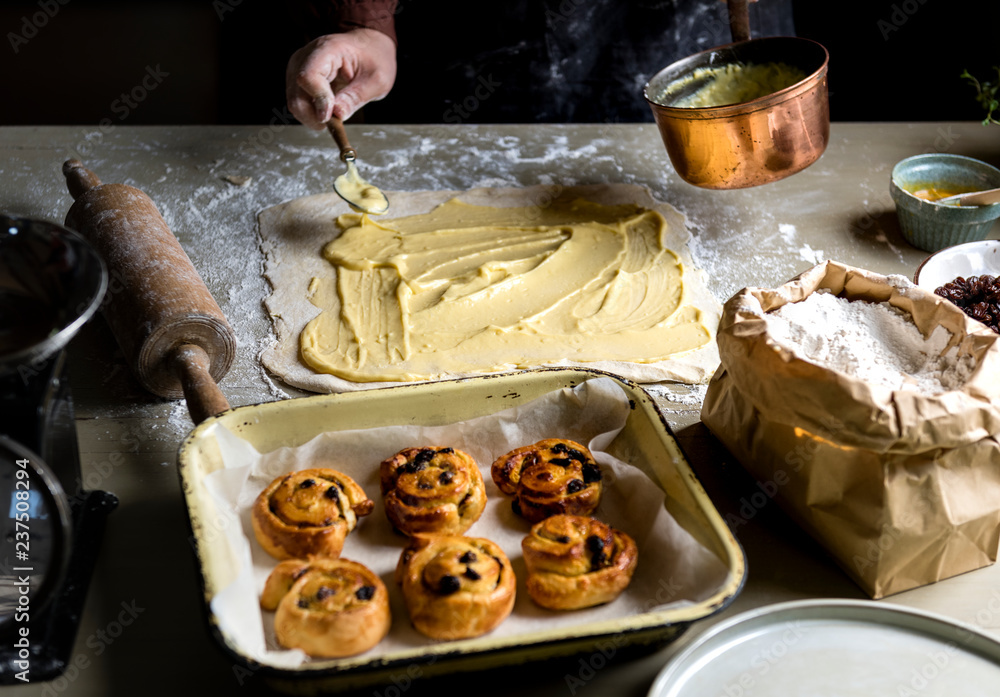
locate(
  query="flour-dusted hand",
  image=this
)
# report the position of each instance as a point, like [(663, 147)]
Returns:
[(337, 74)]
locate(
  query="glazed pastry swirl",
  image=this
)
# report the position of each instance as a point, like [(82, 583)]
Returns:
[(575, 562), (433, 490), (329, 608), (308, 512), (455, 587), (550, 477)]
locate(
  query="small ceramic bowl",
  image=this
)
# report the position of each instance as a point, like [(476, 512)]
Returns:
[(932, 226), (965, 260)]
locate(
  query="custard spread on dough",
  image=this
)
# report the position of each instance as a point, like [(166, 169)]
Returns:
[(479, 289)]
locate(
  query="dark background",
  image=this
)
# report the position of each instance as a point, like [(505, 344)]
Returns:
[(224, 60)]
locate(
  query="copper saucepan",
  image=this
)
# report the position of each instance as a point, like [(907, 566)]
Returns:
[(754, 142)]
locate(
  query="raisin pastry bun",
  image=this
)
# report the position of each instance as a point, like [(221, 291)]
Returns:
[(329, 608), (552, 476), (575, 562), (308, 513), (432, 490), (455, 587)]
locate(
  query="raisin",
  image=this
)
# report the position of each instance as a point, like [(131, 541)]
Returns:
[(365, 593), (472, 574), (303, 603), (595, 545), (467, 558), (324, 592), (591, 473), (562, 539), (413, 467), (446, 451), (575, 485), (977, 296), (560, 461), (449, 584), (446, 477), (307, 483), (332, 494), (571, 453), (419, 462), (424, 485)]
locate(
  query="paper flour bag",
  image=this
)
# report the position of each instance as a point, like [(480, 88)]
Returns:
[(871, 413)]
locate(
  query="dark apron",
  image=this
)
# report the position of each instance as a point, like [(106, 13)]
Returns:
[(548, 61)]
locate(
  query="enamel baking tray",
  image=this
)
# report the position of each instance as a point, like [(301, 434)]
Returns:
[(646, 441)]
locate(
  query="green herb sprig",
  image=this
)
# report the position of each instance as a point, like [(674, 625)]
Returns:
[(986, 95)]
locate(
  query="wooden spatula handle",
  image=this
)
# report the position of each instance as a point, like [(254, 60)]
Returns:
[(981, 198), (336, 128)]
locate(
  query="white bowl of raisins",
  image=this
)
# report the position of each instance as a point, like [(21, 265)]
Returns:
[(969, 276)]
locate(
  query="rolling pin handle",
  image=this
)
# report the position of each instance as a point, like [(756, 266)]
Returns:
[(79, 179), (204, 398)]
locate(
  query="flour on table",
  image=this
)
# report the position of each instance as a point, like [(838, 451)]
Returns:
[(787, 232), (810, 255)]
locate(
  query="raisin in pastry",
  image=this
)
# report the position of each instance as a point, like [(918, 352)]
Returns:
[(575, 562), (433, 490), (308, 512), (550, 477), (329, 608), (455, 587)]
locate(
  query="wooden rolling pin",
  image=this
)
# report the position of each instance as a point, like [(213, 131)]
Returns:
[(169, 326)]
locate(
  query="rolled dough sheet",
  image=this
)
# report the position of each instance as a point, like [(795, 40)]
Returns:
[(294, 233)]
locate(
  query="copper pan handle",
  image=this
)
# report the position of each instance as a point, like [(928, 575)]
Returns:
[(739, 19)]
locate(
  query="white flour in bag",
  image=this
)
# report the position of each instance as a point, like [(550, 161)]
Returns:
[(875, 342)]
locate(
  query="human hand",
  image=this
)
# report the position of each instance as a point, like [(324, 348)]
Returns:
[(337, 74)]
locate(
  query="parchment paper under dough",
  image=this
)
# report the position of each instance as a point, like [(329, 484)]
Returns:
[(294, 233)]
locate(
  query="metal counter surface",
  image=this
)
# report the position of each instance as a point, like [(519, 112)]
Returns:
[(143, 628)]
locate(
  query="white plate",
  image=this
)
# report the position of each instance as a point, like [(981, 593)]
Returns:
[(842, 648), (969, 259)]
